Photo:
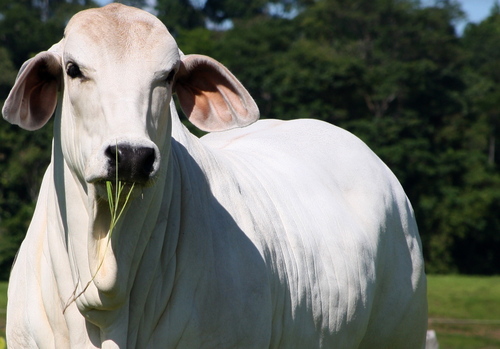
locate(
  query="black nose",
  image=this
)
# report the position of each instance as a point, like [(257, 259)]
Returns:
[(133, 164)]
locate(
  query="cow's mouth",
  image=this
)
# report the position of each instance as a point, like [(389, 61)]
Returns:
[(123, 192)]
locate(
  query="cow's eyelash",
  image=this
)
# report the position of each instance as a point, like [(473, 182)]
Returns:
[(73, 70)]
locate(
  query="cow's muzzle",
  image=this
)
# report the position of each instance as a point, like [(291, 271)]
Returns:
[(131, 164), (130, 160)]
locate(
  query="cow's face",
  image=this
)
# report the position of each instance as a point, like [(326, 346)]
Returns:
[(117, 89), (117, 68)]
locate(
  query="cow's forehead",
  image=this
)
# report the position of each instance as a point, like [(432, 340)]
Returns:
[(125, 32)]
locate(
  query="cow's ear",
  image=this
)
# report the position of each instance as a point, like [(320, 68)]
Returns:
[(211, 97), (33, 98)]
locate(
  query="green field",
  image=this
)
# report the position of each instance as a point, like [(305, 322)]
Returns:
[(463, 310), (3, 306)]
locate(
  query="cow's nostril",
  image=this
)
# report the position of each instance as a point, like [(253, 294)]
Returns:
[(148, 157), (133, 164), (113, 154)]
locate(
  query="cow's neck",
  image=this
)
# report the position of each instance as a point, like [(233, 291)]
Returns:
[(112, 274), (104, 268)]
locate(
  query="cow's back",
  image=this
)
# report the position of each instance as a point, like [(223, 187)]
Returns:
[(335, 229)]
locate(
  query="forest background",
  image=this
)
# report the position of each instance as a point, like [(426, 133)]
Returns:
[(393, 72)]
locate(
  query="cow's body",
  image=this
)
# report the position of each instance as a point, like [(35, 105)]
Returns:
[(280, 235)]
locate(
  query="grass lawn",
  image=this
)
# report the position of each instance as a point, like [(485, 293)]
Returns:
[(3, 306), (451, 299), (465, 311)]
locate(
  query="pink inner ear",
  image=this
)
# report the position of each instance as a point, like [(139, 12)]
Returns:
[(207, 110), (234, 100), (223, 93), (211, 97), (187, 96)]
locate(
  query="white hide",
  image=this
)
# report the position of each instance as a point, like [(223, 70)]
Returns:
[(274, 235)]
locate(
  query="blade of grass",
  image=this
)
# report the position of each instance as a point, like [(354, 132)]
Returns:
[(109, 188)]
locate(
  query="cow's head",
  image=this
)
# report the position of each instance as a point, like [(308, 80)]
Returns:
[(114, 73)]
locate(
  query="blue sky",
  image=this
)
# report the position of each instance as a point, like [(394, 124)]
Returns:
[(477, 9)]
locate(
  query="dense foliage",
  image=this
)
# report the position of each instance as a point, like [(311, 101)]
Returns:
[(393, 72)]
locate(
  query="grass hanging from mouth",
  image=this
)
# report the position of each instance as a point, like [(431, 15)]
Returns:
[(116, 213)]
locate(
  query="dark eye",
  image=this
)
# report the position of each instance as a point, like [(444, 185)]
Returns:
[(73, 70), (170, 77)]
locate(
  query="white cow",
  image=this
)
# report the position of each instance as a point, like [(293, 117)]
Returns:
[(276, 235)]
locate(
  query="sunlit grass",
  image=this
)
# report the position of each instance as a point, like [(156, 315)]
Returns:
[(471, 299), (3, 308), (464, 297)]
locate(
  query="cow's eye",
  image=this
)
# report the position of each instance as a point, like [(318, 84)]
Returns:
[(73, 70), (170, 77)]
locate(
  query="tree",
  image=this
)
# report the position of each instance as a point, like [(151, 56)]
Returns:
[(393, 72), (179, 14), (191, 14)]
